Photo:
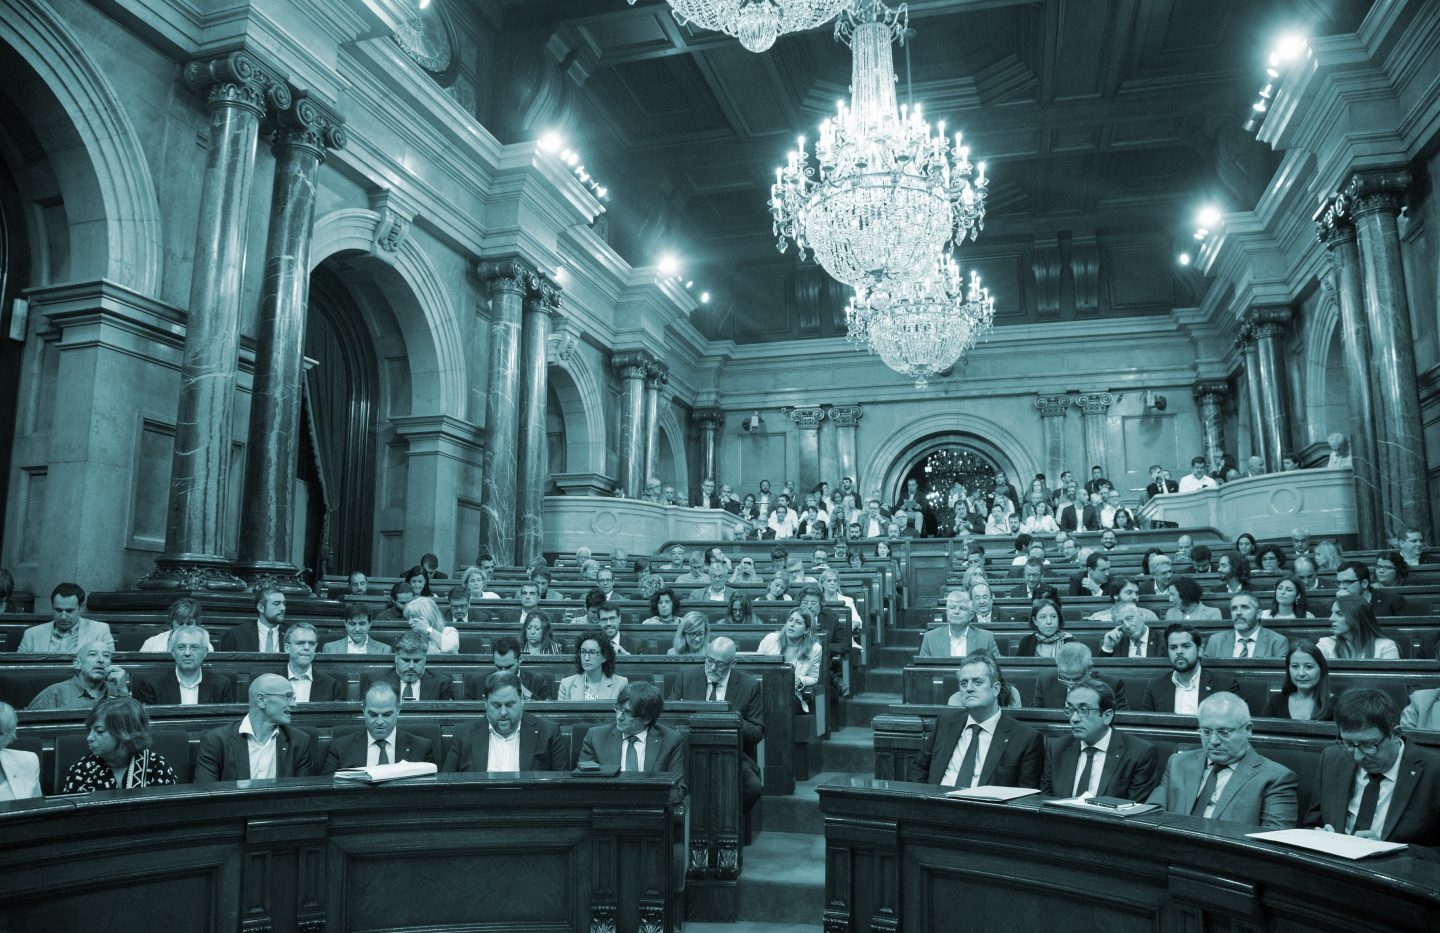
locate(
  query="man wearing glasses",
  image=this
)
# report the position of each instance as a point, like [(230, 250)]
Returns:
[(1353, 579), (718, 681), (1372, 784), (1097, 760), (1226, 779), (262, 745)]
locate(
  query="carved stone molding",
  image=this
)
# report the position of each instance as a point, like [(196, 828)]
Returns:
[(1269, 321), (1211, 389), (238, 80), (191, 577), (807, 418), (1381, 191), (510, 274), (564, 338), (846, 416), (1334, 222), (543, 295), (632, 365), (1045, 264), (708, 419), (657, 375), (1095, 403), (308, 124), (1085, 267), (1052, 406), (396, 212)]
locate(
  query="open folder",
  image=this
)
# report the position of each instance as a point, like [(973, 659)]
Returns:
[(1330, 843), (378, 774), (993, 793)]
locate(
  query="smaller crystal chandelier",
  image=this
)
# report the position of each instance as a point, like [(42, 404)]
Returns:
[(756, 23), (920, 328)]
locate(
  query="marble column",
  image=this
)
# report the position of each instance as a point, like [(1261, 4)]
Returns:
[(708, 420), (1336, 229), (541, 302), (632, 368), (1094, 407), (808, 421), (302, 135), (1210, 400), (1375, 200), (657, 376), (1267, 326), (237, 93), (846, 418), (1253, 406), (1052, 410), (509, 279)]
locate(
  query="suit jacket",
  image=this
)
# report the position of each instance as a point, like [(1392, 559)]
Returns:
[(349, 751), (243, 636), (22, 772), (698, 500), (832, 633), (1154, 645), (1068, 517), (432, 685), (536, 686), (1414, 814), (742, 694), (1268, 644), (225, 754), (323, 687), (1050, 692), (1423, 711), (1131, 769), (1160, 692), (371, 647), (541, 747), (664, 748), (1090, 518), (698, 596), (1201, 613), (1387, 604), (1260, 792), (1020, 591), (164, 689), (1016, 757), (1153, 489), (1077, 587), (936, 643), (36, 639)]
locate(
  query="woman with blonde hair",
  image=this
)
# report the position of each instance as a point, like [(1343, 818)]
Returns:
[(424, 616), (796, 643), (692, 634)]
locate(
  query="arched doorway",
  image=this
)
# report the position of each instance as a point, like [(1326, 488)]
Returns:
[(936, 469)]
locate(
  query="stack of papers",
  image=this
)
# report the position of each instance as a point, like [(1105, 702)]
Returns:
[(992, 792), (381, 773), (1330, 843)]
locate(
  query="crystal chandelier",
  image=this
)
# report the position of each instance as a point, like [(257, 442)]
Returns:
[(920, 328), (756, 23), (885, 195)]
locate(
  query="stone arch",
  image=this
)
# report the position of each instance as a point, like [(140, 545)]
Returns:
[(110, 169), (1321, 338), (670, 445), (893, 457), (579, 396)]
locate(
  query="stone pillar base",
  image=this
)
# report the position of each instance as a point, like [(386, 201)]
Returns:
[(286, 578), (183, 575)]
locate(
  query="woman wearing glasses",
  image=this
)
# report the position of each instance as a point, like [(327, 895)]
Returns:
[(595, 665), (1306, 693), (692, 634), (120, 757)]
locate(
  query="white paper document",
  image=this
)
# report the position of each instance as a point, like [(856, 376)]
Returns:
[(392, 772), (1330, 843), (992, 792)]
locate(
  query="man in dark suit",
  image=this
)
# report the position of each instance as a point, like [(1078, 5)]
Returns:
[(1095, 581), (705, 498), (1375, 785), (1096, 481), (381, 742), (980, 744), (409, 678), (1073, 667), (1353, 579), (188, 646), (1159, 484), (656, 747), (264, 737), (507, 740), (1188, 684), (267, 632), (728, 500), (1034, 575), (1120, 765), (506, 657), (310, 685), (718, 680), (357, 638), (1131, 630)]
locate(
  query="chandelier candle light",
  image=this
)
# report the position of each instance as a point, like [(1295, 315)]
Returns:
[(756, 23)]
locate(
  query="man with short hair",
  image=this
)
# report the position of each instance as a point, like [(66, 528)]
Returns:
[(1307, 573), (697, 573), (1096, 481), (874, 519), (409, 678), (982, 603), (635, 741), (717, 590), (783, 522), (1034, 574), (507, 740), (1201, 559), (381, 742), (1132, 636), (1300, 543), (1226, 779), (262, 745), (1247, 638), (182, 613), (764, 499), (607, 618), (1412, 548), (400, 596), (1095, 581), (1109, 541), (1184, 553), (267, 632), (718, 681), (310, 685), (457, 607), (357, 638), (1162, 574), (981, 743), (1074, 665), (728, 500), (67, 630), (1254, 466), (1197, 479), (957, 638), (1096, 759), (1289, 463), (1188, 684), (705, 498), (191, 684), (505, 655), (359, 584), (529, 598), (1353, 579), (677, 558), (87, 686), (1372, 783), (1160, 484)]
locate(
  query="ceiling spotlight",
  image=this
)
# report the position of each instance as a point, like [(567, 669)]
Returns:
[(424, 4), (704, 298), (1290, 46), (1209, 216), (669, 265), (1252, 123), (552, 142), (1183, 259)]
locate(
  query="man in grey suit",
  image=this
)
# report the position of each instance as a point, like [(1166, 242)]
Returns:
[(1248, 639), (718, 681), (507, 739), (357, 638), (1226, 779), (957, 637), (381, 742), (655, 747), (262, 745), (67, 630)]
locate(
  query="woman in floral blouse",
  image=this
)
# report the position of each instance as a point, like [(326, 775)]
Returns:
[(120, 755)]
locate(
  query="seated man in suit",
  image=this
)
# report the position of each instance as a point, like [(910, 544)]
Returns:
[(400, 596), (191, 683), (1097, 760), (381, 742), (1095, 581), (957, 637), (1162, 574), (88, 685), (261, 745), (636, 741), (718, 681), (267, 632), (1132, 636), (980, 744), (1353, 579), (506, 657), (19, 771), (1248, 638), (507, 740), (1373, 783), (1188, 684), (1074, 666), (410, 679), (1034, 573), (1226, 779), (357, 638), (310, 685), (67, 630), (717, 591)]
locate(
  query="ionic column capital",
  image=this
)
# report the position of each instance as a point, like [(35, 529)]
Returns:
[(543, 295), (1211, 390), (238, 80), (1377, 192), (507, 275), (1052, 406), (632, 365), (1095, 403), (708, 419), (846, 416), (1335, 222), (1268, 321), (807, 418), (307, 125)]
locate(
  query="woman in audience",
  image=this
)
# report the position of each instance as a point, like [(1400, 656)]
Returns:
[(1127, 593), (1306, 693), (778, 589), (1289, 601), (120, 757), (424, 616), (595, 677), (1355, 633), (855, 559), (538, 637), (476, 582), (418, 581), (1234, 572), (692, 634), (830, 594), (1185, 605), (796, 643), (1047, 631), (1328, 557), (1391, 570), (664, 607), (650, 584), (183, 612), (1270, 559), (1038, 517), (740, 612), (1123, 520), (1245, 547), (882, 551)]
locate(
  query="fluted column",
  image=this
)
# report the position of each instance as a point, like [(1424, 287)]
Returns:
[(1267, 325), (632, 368), (1254, 407), (1336, 230), (1052, 410), (846, 418), (508, 279), (1375, 200), (1210, 400), (808, 421), (237, 93), (657, 377), (541, 301), (1094, 407), (708, 420), (302, 135)]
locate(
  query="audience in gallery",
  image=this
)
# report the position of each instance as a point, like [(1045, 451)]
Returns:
[(120, 756)]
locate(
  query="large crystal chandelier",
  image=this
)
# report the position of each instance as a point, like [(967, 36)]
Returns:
[(886, 195), (756, 23), (920, 328)]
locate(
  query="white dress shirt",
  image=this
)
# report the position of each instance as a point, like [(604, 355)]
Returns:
[(372, 751), (301, 684), (640, 738), (1188, 483), (1187, 696), (1221, 779), (1097, 770), (263, 634), (262, 753), (504, 751), (987, 732), (362, 648), (1387, 793), (189, 693), (959, 646)]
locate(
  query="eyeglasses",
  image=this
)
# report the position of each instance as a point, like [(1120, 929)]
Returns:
[(1079, 710), (590, 653), (1347, 583), (1364, 748), (287, 697), (1208, 734)]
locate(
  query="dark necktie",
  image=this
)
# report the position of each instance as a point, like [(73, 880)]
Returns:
[(410, 692), (632, 755), (1369, 800), (1082, 782), (710, 695), (1248, 649), (383, 758), (966, 776), (1207, 791)]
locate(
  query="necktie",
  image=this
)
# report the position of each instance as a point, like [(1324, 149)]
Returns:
[(632, 756), (710, 695), (383, 758), (1082, 782), (966, 777), (1207, 791), (1369, 800), (270, 639), (1249, 649), (410, 692)]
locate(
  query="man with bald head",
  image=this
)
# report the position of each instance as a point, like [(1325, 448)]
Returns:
[(381, 742), (718, 681), (261, 745)]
